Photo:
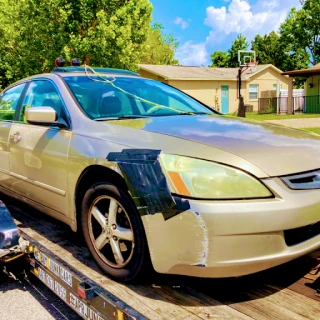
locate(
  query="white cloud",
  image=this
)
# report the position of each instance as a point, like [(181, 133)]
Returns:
[(268, 4), (182, 23), (237, 16), (191, 54), (240, 18), (279, 4)]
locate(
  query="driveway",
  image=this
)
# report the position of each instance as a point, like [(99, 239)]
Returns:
[(298, 123), (26, 299)]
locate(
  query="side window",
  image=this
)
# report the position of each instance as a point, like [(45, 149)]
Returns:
[(9, 101), (42, 93)]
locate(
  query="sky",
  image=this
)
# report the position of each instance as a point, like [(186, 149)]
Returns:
[(203, 26)]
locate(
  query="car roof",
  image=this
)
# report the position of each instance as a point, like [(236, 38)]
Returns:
[(66, 71), (83, 74), (73, 71), (78, 72)]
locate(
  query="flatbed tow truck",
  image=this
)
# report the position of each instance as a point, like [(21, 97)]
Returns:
[(59, 258)]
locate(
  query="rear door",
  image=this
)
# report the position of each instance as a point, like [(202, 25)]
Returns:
[(9, 100), (38, 154)]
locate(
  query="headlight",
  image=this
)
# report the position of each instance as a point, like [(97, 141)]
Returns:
[(208, 180)]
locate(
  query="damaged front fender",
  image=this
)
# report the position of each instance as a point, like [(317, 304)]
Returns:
[(147, 183)]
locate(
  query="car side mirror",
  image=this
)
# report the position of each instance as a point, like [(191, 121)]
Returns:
[(45, 116)]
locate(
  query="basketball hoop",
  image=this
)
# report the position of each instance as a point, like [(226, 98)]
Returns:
[(247, 61), (245, 57), (251, 66)]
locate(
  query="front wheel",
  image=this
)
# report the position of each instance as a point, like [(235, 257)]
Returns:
[(114, 232)]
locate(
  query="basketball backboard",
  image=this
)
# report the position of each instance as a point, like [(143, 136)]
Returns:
[(246, 58)]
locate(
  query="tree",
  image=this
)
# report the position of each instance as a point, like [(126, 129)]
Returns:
[(268, 48), (220, 59), (107, 33), (159, 48), (301, 30), (240, 43), (8, 33), (40, 36), (272, 49)]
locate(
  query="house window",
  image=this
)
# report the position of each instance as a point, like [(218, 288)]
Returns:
[(253, 92)]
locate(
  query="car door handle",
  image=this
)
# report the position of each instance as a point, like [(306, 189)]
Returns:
[(15, 137)]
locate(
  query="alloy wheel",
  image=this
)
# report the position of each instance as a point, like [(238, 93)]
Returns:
[(111, 231)]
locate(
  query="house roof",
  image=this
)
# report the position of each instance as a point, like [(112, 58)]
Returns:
[(305, 73), (201, 73)]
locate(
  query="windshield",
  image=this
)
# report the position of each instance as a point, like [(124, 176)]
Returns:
[(130, 97)]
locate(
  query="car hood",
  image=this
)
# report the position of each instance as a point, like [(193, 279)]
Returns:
[(275, 149)]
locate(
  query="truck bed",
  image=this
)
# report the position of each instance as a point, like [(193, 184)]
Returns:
[(285, 292)]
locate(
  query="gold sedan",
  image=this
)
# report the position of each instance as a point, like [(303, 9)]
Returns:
[(154, 178)]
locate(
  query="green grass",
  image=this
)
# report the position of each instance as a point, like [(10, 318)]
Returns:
[(314, 130), (272, 116)]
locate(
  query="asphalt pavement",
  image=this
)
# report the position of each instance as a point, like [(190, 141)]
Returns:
[(25, 298)]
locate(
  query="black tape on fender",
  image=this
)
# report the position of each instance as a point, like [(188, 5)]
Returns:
[(147, 183)]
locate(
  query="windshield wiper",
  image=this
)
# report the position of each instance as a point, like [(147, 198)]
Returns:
[(120, 117), (190, 113)]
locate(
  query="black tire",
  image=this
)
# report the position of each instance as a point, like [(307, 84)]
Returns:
[(97, 197)]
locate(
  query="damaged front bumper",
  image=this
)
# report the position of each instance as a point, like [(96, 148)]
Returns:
[(12, 246), (234, 238)]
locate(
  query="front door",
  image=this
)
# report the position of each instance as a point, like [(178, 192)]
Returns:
[(8, 103), (38, 154), (224, 99)]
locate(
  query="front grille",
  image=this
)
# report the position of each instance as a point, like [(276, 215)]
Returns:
[(295, 236), (303, 181)]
